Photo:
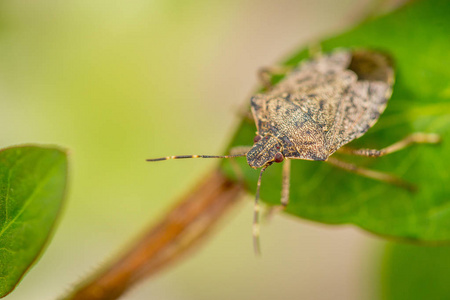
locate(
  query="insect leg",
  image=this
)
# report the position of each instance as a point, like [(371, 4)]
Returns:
[(256, 210), (240, 151), (265, 74), (415, 138), (285, 183), (371, 173), (248, 117), (315, 50)]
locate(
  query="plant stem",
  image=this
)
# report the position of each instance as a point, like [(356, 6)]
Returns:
[(179, 231)]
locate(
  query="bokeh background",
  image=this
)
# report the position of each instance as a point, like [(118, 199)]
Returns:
[(116, 82)]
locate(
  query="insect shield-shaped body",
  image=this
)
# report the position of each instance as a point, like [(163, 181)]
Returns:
[(321, 105), (318, 107)]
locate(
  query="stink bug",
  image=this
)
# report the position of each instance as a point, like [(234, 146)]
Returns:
[(319, 106)]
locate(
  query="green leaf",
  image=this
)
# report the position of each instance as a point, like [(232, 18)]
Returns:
[(415, 273), (32, 187), (417, 37)]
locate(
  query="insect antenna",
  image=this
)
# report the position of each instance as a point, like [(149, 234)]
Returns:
[(194, 156), (256, 210)]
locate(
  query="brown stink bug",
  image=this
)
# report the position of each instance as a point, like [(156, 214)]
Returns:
[(319, 106)]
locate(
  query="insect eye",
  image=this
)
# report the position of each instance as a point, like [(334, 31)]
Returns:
[(278, 157), (257, 138)]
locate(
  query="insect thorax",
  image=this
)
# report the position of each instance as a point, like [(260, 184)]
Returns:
[(297, 132)]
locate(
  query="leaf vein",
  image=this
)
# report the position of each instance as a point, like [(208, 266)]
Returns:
[(30, 198)]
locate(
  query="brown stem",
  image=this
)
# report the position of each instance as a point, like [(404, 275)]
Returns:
[(181, 229)]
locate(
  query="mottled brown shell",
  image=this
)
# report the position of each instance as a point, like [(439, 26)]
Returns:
[(321, 105)]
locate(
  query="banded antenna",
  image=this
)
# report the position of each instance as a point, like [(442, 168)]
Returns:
[(195, 156), (255, 230)]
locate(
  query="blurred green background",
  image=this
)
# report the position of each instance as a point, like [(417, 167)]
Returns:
[(119, 82)]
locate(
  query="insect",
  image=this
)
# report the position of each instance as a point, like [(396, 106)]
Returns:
[(319, 106)]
